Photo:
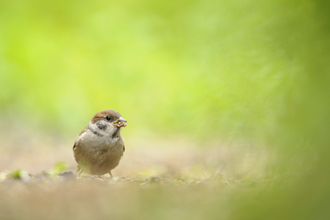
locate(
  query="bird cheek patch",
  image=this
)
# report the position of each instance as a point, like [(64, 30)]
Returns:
[(101, 126)]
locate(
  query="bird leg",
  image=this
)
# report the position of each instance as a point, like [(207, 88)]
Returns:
[(79, 171)]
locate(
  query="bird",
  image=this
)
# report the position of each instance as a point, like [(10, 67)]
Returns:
[(99, 147)]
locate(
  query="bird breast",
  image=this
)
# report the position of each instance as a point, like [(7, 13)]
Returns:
[(96, 149)]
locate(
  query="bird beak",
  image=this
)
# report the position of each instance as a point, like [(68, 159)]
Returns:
[(121, 120)]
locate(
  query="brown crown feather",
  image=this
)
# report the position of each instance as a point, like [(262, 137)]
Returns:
[(102, 114)]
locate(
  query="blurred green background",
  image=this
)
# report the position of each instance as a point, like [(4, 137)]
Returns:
[(195, 67), (205, 70)]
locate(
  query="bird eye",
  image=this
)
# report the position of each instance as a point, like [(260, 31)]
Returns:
[(108, 117)]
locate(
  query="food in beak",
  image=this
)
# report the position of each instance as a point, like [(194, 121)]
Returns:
[(120, 123)]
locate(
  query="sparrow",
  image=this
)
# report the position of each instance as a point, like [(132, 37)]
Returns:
[(99, 147)]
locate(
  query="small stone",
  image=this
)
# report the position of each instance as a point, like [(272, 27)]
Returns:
[(67, 175)]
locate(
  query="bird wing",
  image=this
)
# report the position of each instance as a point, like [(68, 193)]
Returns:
[(81, 133)]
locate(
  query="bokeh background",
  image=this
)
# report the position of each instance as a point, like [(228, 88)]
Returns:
[(227, 91)]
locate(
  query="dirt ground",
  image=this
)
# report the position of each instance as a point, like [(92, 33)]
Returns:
[(157, 179)]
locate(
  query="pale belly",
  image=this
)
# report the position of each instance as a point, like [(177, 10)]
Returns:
[(98, 159)]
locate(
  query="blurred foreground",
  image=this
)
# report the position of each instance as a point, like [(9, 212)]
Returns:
[(169, 179)]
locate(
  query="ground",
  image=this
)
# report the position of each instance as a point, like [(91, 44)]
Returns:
[(158, 179)]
